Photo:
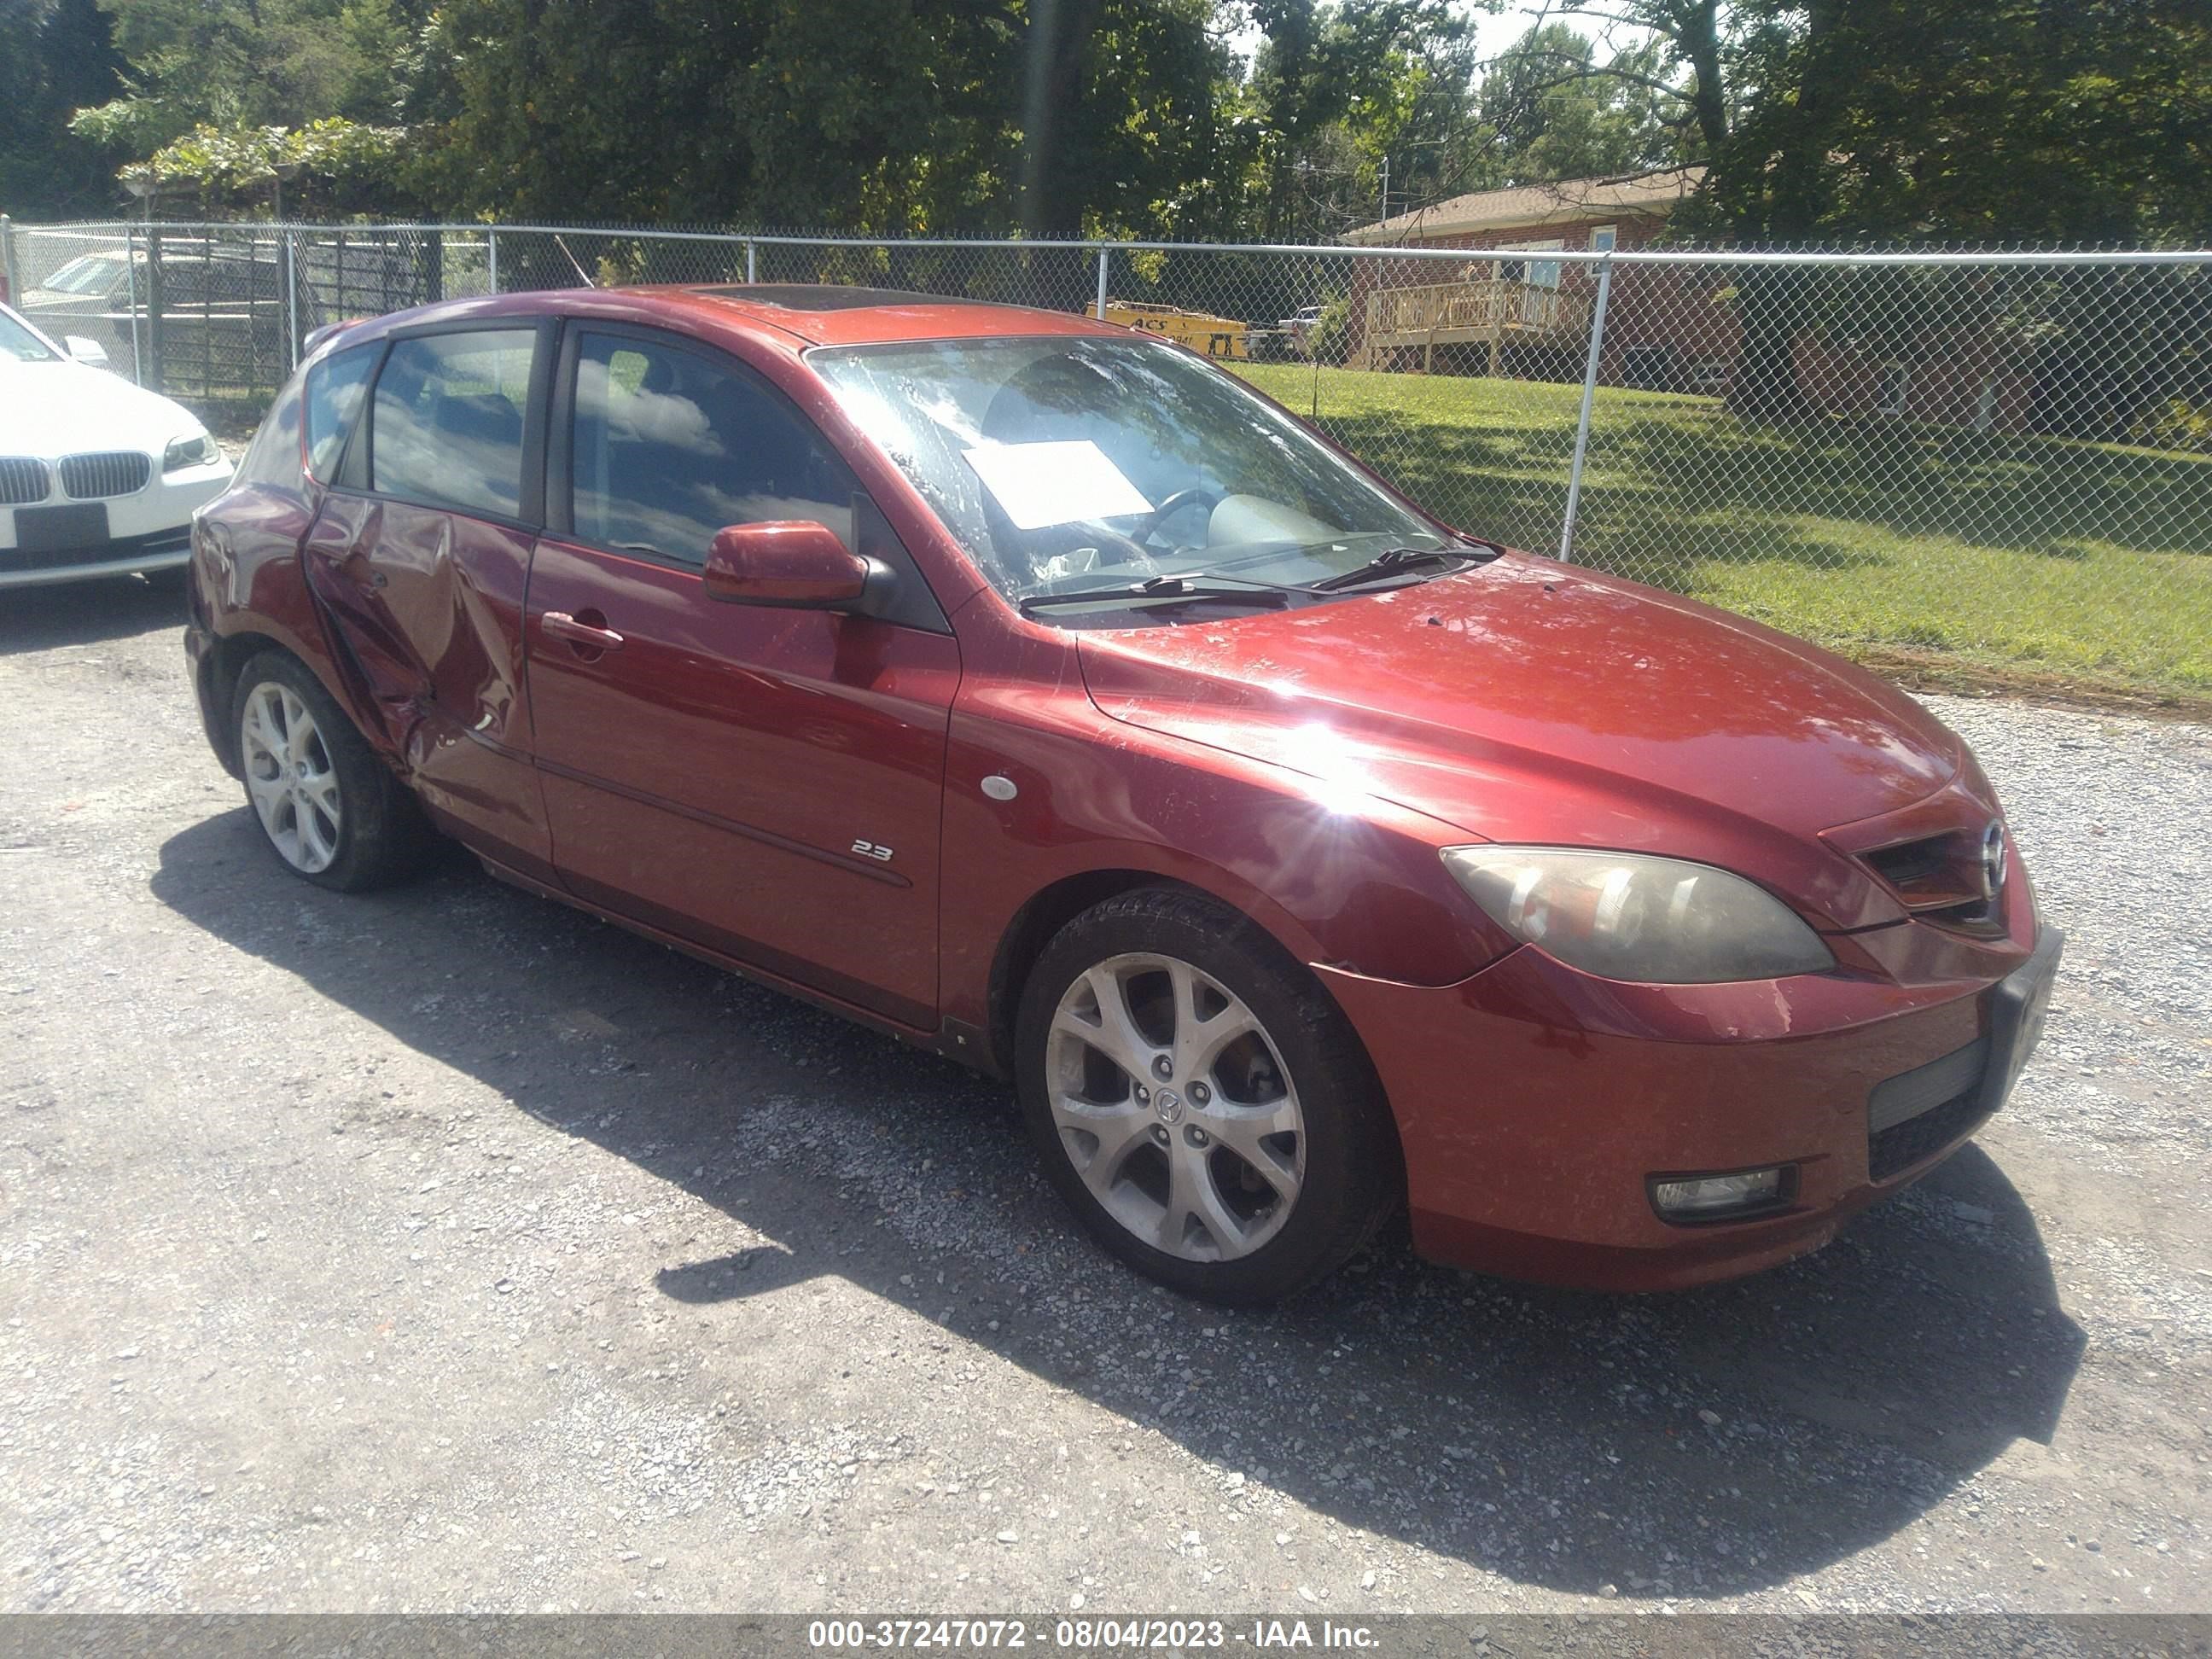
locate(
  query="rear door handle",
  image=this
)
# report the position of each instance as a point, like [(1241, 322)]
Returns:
[(583, 636), (357, 568)]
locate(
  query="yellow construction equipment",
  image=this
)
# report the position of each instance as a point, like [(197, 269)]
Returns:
[(1217, 337)]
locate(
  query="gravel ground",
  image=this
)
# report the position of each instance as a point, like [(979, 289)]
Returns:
[(447, 1249)]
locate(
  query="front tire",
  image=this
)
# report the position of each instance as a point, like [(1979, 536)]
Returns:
[(328, 808), (1199, 1102)]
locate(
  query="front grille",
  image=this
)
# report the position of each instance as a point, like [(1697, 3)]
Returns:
[(112, 472), (1910, 863), (1915, 1115), (22, 480), (1940, 879)]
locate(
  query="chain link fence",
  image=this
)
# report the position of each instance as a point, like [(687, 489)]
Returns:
[(2003, 456)]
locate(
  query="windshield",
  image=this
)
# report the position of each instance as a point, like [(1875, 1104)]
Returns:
[(1065, 464), (93, 273), (19, 345)]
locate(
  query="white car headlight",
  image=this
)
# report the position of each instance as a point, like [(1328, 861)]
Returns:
[(1627, 915), (196, 450)]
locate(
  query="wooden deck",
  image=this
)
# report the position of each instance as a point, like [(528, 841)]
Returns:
[(1488, 312)]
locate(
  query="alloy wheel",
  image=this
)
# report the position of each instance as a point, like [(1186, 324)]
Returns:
[(290, 778), (1174, 1106)]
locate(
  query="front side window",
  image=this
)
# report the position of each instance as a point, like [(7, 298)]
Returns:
[(335, 387), (1068, 464), (447, 425), (667, 447)]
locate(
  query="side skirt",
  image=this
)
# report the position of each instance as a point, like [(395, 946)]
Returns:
[(950, 1041)]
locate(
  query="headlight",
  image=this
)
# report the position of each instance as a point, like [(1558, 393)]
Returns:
[(198, 450), (1628, 917)]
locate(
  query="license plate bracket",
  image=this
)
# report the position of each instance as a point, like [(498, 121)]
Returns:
[(61, 529)]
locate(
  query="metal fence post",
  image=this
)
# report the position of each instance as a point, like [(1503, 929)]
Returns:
[(153, 375), (1105, 257), (491, 256), (1582, 421), (130, 265), (291, 300), (751, 250), (11, 286)]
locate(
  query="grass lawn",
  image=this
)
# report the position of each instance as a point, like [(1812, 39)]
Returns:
[(2088, 562)]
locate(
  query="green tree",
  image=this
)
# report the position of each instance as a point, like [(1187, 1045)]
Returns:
[(1338, 88), (893, 115), (1554, 112), (59, 57), (210, 85)]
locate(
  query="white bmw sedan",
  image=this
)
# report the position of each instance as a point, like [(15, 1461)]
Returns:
[(98, 478)]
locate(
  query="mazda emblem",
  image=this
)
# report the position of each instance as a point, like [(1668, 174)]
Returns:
[(1993, 860)]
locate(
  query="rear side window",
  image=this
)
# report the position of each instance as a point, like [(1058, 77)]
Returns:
[(447, 422), (273, 459), (668, 447), (336, 389)]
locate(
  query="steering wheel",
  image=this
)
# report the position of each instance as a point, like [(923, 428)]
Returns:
[(1105, 545), (1149, 526)]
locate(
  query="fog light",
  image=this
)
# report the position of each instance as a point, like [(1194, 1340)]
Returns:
[(1708, 1198)]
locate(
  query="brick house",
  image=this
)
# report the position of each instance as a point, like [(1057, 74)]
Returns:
[(1508, 310), (1516, 312)]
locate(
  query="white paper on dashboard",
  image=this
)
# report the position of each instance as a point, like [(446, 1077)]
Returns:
[(1049, 484)]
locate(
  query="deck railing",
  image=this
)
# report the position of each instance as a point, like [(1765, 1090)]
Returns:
[(1482, 306)]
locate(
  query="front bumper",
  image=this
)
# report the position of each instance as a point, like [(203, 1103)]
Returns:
[(1536, 1105), (149, 529)]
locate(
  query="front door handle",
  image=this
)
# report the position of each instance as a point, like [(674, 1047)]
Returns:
[(582, 635)]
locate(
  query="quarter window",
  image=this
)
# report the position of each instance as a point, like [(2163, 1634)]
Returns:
[(448, 421), (667, 448), (334, 389)]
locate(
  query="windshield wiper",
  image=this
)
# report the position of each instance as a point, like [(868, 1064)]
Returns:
[(1391, 562), (1157, 588)]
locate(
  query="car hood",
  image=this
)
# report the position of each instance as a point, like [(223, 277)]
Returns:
[(1528, 701), (54, 409)]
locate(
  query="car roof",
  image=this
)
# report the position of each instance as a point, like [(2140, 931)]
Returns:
[(792, 315), (826, 313)]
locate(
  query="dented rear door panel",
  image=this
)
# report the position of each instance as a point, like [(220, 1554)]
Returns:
[(429, 604)]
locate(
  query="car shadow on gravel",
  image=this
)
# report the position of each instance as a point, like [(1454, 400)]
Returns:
[(87, 613), (1707, 1443)]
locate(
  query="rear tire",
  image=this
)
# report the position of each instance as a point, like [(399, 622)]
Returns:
[(1199, 1102), (328, 809)]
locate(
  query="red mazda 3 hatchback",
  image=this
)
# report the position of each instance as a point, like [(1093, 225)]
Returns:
[(1035, 690)]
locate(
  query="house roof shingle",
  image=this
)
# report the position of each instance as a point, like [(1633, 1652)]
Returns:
[(1568, 200)]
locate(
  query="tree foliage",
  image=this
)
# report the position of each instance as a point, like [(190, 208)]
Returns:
[(1338, 92), (1951, 120), (1820, 119), (342, 163), (891, 115), (58, 57), (1554, 112)]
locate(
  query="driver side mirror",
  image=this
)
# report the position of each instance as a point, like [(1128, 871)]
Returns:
[(793, 564), (90, 353)]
